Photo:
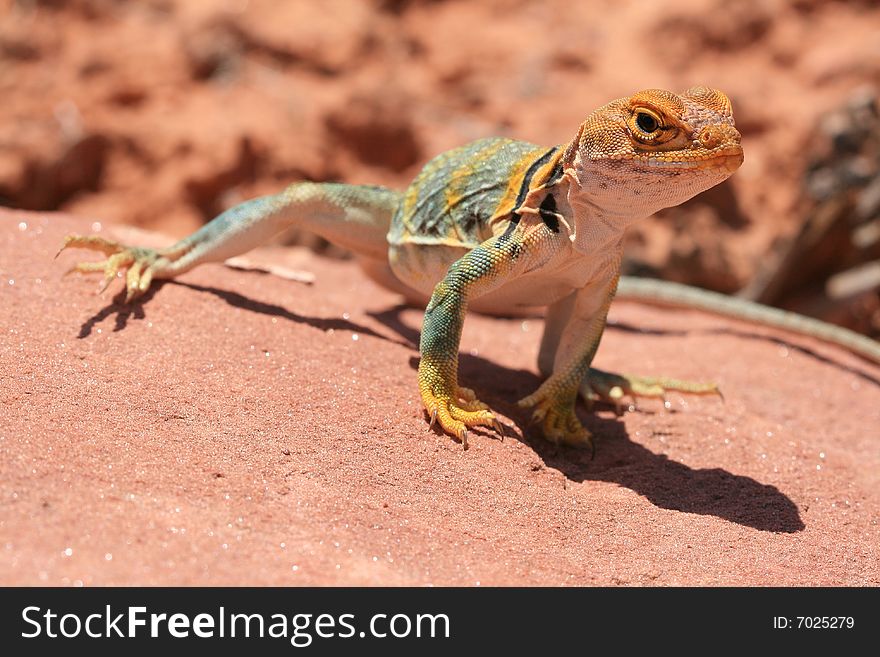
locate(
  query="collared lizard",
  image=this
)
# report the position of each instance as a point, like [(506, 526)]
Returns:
[(500, 226)]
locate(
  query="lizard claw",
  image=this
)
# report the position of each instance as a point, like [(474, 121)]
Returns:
[(141, 263), (559, 423), (455, 414)]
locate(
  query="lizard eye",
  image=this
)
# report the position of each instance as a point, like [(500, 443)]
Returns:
[(647, 122)]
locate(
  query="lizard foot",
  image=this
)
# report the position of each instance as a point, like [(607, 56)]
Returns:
[(455, 414), (141, 263), (612, 388), (559, 423)]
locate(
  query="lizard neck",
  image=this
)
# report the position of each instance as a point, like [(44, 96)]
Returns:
[(594, 227)]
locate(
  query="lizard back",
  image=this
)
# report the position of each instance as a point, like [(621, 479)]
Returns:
[(467, 195)]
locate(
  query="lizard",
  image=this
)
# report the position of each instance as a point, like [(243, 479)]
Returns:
[(503, 226)]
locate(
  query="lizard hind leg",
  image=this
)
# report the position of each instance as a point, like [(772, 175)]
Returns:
[(610, 387), (356, 217), (141, 263)]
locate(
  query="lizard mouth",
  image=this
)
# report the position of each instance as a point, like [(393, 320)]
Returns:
[(729, 160), (726, 159)]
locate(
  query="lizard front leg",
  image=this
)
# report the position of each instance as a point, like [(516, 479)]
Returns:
[(479, 271), (574, 328)]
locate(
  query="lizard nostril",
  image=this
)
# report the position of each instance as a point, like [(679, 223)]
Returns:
[(714, 136), (709, 138)]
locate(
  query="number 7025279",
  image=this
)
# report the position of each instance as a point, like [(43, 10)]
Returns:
[(814, 622)]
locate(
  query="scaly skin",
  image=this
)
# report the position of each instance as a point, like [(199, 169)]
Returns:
[(498, 226)]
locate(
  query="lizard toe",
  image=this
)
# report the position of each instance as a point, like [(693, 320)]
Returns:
[(611, 388), (557, 419), (139, 263), (455, 417)]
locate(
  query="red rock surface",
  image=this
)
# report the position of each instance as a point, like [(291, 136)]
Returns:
[(239, 428)]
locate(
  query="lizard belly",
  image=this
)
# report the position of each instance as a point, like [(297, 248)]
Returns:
[(543, 286), (422, 266)]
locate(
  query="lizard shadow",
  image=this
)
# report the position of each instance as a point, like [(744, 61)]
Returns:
[(125, 311), (241, 301), (391, 317), (665, 483), (673, 485)]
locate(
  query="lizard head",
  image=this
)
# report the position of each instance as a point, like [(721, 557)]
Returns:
[(653, 150)]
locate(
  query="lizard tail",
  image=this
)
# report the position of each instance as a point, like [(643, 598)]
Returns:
[(665, 293)]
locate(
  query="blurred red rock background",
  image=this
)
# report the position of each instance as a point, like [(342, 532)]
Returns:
[(162, 113)]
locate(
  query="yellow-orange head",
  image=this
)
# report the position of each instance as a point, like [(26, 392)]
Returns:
[(653, 150)]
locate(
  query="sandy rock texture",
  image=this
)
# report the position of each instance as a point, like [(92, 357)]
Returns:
[(236, 427)]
